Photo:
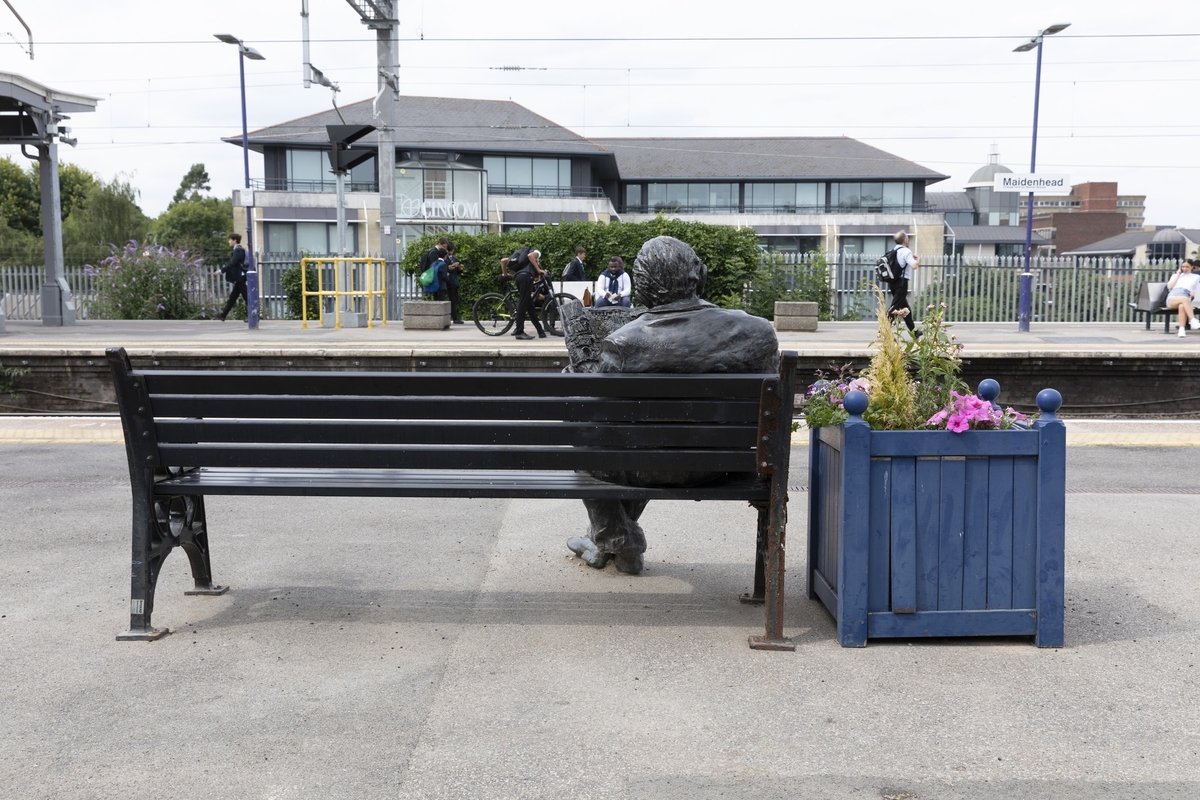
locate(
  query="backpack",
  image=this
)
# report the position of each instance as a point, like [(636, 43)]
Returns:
[(237, 274), (429, 278), (519, 260), (887, 268)]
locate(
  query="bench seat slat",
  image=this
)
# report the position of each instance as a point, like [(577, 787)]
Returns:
[(462, 432), (402, 483), (455, 457), (457, 384), (453, 409)]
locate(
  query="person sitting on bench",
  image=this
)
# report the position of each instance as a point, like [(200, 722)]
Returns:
[(1181, 290)]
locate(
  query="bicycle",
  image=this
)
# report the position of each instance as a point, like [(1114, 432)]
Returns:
[(494, 313)]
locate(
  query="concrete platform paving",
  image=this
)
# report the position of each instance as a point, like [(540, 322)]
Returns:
[(425, 649), (90, 337)]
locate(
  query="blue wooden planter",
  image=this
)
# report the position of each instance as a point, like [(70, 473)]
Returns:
[(933, 533)]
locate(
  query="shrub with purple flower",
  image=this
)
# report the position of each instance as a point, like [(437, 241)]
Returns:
[(822, 403), (142, 281)]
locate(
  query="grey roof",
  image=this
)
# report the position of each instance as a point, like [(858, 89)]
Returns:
[(949, 201), (1121, 244), (992, 234), (439, 123), (799, 158)]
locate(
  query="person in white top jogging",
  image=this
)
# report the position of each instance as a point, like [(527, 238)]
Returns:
[(899, 287), (1181, 290)]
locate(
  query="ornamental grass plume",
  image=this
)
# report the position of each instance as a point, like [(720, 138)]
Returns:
[(893, 394)]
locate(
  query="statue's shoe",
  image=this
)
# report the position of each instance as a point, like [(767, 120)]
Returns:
[(587, 552), (629, 563)]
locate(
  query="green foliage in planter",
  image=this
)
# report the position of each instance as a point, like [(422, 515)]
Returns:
[(140, 281), (773, 281), (730, 254), (292, 287)]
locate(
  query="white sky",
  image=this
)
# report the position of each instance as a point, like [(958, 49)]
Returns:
[(1118, 101)]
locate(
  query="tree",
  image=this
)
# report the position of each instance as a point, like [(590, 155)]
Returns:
[(194, 182), (108, 215), (20, 198), (73, 185), (199, 225)]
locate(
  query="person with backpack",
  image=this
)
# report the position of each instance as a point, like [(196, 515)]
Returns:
[(453, 275), (526, 272), (905, 263), (235, 273), (575, 271)]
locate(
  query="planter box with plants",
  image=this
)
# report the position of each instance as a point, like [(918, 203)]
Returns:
[(932, 511)]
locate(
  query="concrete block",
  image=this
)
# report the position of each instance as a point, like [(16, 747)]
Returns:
[(796, 309), (426, 315), (786, 323)]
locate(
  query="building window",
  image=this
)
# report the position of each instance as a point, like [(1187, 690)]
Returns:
[(528, 177), (439, 192), (633, 197), (785, 198), (696, 198), (308, 171), (960, 218), (1010, 250), (871, 197), (314, 238)]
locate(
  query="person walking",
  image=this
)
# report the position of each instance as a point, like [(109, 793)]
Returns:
[(613, 287), (235, 273), (526, 271), (908, 262), (575, 271)]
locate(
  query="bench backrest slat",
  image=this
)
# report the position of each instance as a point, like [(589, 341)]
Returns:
[(453, 409), (456, 458), (463, 432), (451, 384)]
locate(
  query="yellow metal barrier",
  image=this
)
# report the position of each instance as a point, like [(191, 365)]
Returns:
[(365, 278)]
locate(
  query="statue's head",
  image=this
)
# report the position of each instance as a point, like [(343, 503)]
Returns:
[(667, 270)]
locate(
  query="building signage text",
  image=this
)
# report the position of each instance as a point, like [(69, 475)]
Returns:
[(1037, 184), (410, 208)]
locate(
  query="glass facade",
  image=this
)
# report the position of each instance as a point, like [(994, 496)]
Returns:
[(871, 197), (316, 238), (788, 197), (430, 191), (528, 177), (308, 171)]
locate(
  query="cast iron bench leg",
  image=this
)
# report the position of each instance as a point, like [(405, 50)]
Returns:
[(759, 595), (159, 526)]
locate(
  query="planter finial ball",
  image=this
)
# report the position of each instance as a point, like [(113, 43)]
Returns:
[(855, 402), (1049, 401), (988, 390)]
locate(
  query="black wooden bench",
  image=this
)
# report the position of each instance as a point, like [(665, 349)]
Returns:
[(1152, 299), (406, 434)]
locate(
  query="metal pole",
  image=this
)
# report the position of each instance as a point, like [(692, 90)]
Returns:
[(1024, 304), (251, 271)]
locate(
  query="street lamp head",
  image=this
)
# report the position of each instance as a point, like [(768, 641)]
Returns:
[(252, 54), (1025, 48), (1053, 29), (228, 38)]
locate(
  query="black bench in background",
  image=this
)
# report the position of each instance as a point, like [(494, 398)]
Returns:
[(406, 434), (1152, 299)]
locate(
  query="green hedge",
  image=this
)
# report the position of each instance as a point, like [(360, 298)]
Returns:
[(731, 254)]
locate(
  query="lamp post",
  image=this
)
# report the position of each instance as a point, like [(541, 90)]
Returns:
[(245, 52), (1026, 301)]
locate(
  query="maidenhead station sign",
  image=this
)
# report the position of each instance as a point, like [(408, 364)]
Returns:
[(1037, 184)]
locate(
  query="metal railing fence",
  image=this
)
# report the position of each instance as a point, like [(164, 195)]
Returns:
[(974, 290), (988, 290)]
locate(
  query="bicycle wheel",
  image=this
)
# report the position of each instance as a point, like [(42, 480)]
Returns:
[(494, 313), (550, 314)]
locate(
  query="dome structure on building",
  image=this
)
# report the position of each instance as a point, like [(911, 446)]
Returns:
[(1169, 236), (984, 175)]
